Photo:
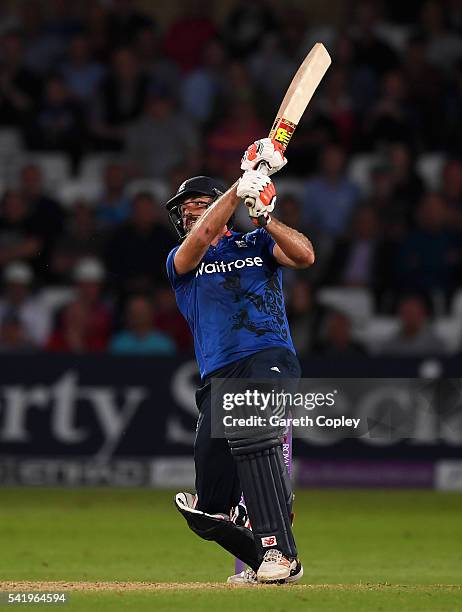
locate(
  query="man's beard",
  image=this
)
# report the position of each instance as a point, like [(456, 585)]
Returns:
[(190, 221)]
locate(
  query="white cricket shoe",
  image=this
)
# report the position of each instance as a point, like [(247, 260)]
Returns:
[(275, 567), (248, 576)]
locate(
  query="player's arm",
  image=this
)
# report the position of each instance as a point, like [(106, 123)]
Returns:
[(196, 243), (292, 249)]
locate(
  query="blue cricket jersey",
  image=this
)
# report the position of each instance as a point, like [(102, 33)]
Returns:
[(233, 300)]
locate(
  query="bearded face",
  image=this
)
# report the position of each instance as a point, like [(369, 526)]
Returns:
[(192, 209)]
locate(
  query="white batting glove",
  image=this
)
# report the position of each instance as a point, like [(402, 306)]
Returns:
[(259, 194), (268, 151)]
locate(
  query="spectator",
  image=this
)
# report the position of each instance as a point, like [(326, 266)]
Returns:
[(120, 101), (58, 124), (356, 259), (428, 257), (124, 22), (187, 36), (293, 27), (12, 336), (371, 49), (96, 30), (444, 48), (161, 71), (226, 142), (89, 276), (290, 212), (330, 197), (203, 88), (426, 91), (392, 118), (337, 341), (113, 207), (301, 316), (167, 319), (452, 106), (29, 318), (362, 81), (452, 190), (19, 235), (81, 73), (80, 238), (415, 337), (19, 87), (407, 185), (246, 26), (85, 323), (396, 189), (140, 336), (272, 58), (46, 214), (394, 217), (73, 332), (240, 86), (43, 208), (142, 144), (41, 49), (62, 22), (138, 247), (337, 106)]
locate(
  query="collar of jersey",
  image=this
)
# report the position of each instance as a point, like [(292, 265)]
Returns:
[(224, 239)]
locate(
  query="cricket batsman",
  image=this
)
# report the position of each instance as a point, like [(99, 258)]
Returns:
[(228, 286)]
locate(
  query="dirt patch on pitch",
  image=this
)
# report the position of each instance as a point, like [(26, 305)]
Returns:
[(184, 586), (105, 586)]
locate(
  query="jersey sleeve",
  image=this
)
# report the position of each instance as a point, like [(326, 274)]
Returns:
[(176, 280), (172, 274), (266, 240)]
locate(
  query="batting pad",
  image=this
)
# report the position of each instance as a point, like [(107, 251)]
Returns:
[(268, 494)]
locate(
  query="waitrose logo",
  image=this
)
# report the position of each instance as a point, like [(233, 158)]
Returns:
[(221, 266)]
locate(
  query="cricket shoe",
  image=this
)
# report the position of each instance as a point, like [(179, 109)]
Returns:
[(187, 502), (275, 567), (247, 577), (239, 515)]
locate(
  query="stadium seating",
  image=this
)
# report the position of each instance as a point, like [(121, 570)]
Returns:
[(355, 302), (56, 168), (79, 189), (359, 170), (429, 167)]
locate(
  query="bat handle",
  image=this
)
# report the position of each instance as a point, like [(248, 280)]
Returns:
[(264, 169)]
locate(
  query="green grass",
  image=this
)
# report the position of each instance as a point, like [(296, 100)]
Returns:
[(387, 549)]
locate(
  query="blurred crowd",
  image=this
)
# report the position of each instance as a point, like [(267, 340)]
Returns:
[(163, 103)]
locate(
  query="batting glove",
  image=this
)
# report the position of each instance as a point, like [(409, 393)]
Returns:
[(259, 194), (268, 152)]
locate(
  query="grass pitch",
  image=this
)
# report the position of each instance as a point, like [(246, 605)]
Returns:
[(131, 550)]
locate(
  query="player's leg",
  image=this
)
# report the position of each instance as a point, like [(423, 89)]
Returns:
[(264, 478), (217, 481), (218, 490)]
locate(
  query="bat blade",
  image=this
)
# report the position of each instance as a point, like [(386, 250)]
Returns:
[(299, 94), (297, 98)]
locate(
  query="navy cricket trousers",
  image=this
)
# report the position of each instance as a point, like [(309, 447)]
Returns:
[(217, 481)]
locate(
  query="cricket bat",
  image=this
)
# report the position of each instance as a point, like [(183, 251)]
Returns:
[(297, 98)]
